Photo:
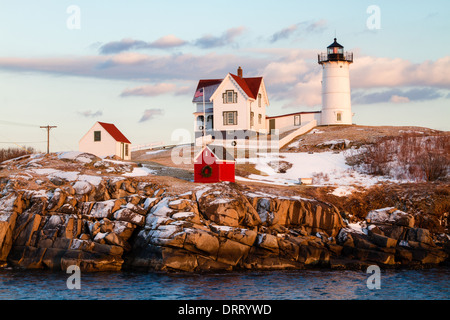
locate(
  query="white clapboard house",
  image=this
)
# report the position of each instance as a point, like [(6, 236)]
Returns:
[(104, 139)]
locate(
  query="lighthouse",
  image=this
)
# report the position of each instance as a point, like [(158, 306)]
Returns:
[(336, 102)]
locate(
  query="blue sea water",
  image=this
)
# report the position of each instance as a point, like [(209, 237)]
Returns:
[(428, 284)]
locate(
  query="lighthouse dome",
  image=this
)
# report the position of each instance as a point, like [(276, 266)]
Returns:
[(335, 44)]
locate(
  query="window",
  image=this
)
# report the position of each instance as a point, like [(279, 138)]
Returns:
[(97, 135), (200, 122), (297, 120), (229, 96), (209, 122), (252, 119), (126, 150), (339, 116), (259, 118), (259, 100), (229, 118)]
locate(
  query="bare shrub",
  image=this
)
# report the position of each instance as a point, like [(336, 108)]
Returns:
[(410, 156), (320, 177), (280, 166), (433, 165), (11, 153)]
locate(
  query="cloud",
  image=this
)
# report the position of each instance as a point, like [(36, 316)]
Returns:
[(399, 99), (298, 28), (284, 33), (315, 26), (137, 67), (150, 114), (227, 38), (122, 45), (171, 41), (397, 95), (166, 42), (369, 72), (291, 76), (155, 90), (90, 113)]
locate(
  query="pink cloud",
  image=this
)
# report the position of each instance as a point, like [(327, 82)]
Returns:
[(370, 72), (155, 90), (168, 41), (399, 99), (291, 76)]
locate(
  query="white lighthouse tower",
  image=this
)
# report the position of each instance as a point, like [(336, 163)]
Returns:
[(336, 102)]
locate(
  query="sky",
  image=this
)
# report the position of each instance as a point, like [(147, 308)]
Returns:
[(137, 63)]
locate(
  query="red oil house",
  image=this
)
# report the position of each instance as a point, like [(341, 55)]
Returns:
[(213, 164)]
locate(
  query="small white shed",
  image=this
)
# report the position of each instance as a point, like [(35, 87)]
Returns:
[(104, 139)]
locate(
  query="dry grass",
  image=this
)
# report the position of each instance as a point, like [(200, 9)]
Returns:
[(246, 169), (11, 153), (357, 135), (411, 156)]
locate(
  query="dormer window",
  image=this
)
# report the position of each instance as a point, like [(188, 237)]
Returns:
[(230, 96)]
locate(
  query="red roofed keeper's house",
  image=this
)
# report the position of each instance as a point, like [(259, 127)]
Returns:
[(214, 164), (233, 103), (104, 139), (231, 111)]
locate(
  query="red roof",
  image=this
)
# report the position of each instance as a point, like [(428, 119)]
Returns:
[(114, 132), (208, 82), (249, 85)]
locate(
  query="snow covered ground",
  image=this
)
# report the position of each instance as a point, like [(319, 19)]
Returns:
[(325, 168)]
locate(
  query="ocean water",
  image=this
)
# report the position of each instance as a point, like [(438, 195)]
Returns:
[(428, 284)]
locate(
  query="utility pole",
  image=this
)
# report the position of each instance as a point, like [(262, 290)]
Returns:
[(48, 136)]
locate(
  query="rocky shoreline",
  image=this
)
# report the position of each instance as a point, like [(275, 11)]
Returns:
[(103, 220)]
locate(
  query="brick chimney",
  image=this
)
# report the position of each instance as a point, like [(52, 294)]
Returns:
[(239, 72)]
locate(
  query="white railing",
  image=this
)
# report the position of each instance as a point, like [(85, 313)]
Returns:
[(302, 130), (147, 146)]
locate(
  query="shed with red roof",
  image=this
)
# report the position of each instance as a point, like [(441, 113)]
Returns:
[(104, 139)]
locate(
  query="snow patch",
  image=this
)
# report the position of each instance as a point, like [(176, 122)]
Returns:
[(139, 172), (82, 187), (183, 215), (325, 168), (154, 152), (200, 192), (357, 228), (77, 156), (94, 180), (343, 191)]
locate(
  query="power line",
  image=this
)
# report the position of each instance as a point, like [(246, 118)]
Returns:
[(12, 123), (22, 142), (60, 142)]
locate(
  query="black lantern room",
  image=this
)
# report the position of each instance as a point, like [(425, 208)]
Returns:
[(335, 52)]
